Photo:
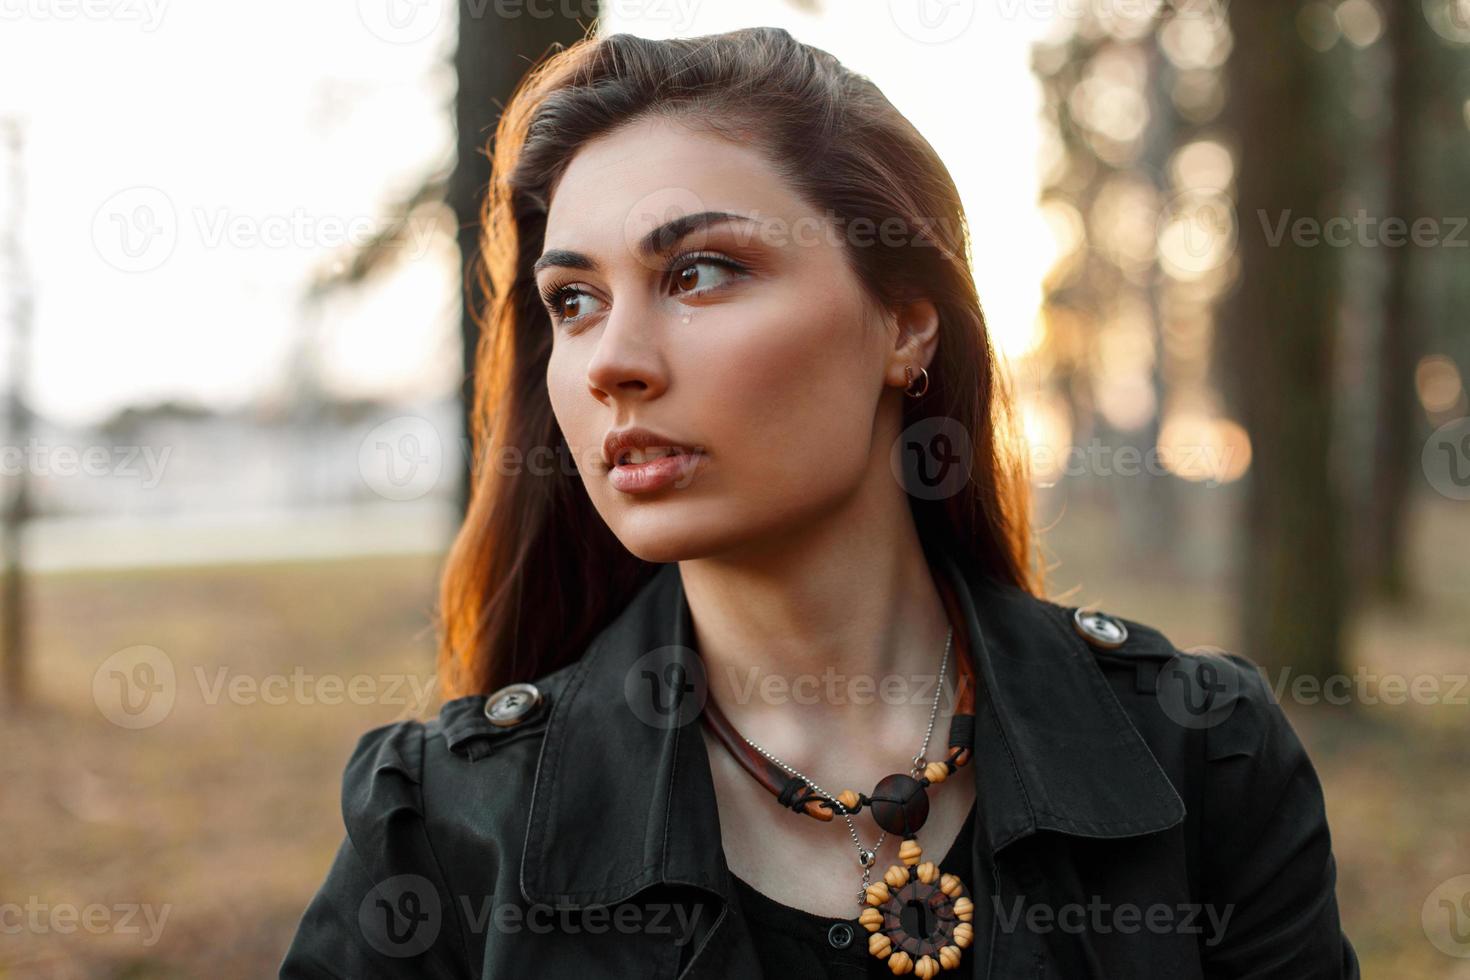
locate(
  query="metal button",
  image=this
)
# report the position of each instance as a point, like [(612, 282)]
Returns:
[(512, 705), (840, 935), (1100, 629)]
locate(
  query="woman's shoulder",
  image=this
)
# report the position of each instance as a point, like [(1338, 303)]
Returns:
[(1211, 719), (1220, 701), (435, 814), (461, 778)]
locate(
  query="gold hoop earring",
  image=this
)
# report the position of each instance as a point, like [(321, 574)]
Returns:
[(908, 377)]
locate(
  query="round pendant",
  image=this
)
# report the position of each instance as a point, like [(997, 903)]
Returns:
[(899, 804), (938, 911)]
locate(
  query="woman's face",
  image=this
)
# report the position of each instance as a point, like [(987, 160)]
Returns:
[(748, 340)]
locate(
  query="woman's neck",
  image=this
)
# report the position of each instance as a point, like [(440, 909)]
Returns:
[(826, 649)]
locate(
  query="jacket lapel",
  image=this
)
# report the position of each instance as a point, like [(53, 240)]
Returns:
[(1054, 749), (623, 797)]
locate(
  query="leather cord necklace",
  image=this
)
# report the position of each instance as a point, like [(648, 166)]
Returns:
[(938, 904)]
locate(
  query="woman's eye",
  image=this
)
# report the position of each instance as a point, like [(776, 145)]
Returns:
[(569, 303), (703, 274)]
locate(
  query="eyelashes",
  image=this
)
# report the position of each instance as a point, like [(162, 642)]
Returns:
[(555, 294)]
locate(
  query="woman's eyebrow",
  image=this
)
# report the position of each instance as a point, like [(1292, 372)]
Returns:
[(656, 242)]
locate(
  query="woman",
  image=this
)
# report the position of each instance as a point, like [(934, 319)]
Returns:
[(746, 671)]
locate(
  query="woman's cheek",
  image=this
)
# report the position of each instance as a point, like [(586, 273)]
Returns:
[(790, 442), (574, 409), (794, 423)]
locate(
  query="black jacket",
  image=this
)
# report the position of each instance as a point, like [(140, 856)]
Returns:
[(1142, 812)]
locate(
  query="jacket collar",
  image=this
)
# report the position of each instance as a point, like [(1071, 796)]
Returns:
[(623, 800)]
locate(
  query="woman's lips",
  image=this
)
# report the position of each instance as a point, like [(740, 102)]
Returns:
[(655, 474)]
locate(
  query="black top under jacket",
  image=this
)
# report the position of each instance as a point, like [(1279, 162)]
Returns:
[(791, 942)]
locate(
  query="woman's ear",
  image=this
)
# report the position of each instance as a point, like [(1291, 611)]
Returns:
[(915, 339)]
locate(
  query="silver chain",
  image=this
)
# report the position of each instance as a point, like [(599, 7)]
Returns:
[(867, 856)]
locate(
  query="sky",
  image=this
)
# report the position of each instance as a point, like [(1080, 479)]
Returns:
[(187, 168)]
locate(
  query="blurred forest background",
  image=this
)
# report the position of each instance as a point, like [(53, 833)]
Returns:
[(1244, 397)]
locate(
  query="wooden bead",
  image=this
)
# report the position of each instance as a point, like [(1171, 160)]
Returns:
[(848, 799), (909, 852), (899, 804), (901, 963), (936, 772), (877, 893), (928, 871), (964, 909), (897, 876), (963, 934), (871, 919), (926, 967), (949, 957), (879, 944), (950, 885)]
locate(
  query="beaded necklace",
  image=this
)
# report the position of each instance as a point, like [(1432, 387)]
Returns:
[(899, 804)]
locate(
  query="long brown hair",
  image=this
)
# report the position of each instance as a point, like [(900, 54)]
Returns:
[(535, 573)]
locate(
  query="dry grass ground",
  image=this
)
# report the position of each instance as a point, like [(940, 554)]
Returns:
[(225, 814)]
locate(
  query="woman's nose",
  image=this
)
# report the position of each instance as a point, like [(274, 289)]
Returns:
[(629, 358)]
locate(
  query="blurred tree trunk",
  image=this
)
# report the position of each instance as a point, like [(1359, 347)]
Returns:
[(1400, 343), (492, 55), (1279, 343), (14, 635), (1160, 499)]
